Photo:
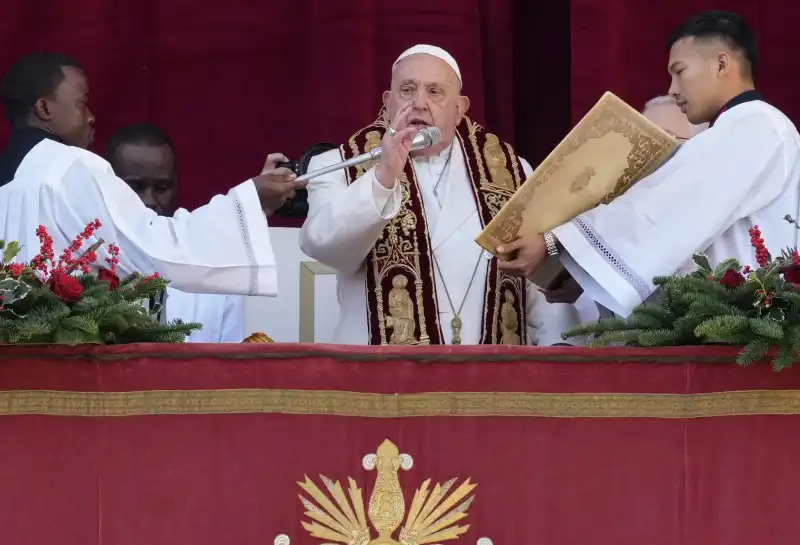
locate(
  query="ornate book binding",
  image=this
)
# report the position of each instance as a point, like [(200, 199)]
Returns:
[(608, 151)]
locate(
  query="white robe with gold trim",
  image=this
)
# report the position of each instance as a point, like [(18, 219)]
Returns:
[(345, 221), (743, 171)]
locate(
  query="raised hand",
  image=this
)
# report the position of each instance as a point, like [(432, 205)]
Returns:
[(276, 185), (396, 145)]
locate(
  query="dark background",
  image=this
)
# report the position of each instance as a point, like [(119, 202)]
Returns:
[(232, 81)]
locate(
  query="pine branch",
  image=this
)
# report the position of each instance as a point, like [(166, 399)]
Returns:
[(784, 357), (767, 327), (753, 352), (721, 328), (659, 337)]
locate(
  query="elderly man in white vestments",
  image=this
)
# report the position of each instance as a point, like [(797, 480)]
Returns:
[(144, 156), (665, 112), (744, 170), (222, 247), (401, 233)]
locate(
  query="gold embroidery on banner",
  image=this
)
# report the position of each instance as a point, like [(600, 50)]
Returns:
[(400, 317), (497, 162), (509, 321), (431, 518), (371, 405)]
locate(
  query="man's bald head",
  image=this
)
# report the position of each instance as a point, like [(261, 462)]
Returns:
[(665, 112), (431, 82)]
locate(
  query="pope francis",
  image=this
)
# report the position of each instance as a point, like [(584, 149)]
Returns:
[(400, 233)]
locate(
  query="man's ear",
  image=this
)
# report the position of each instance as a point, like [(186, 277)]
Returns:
[(723, 63), (42, 110), (463, 106), (386, 96)]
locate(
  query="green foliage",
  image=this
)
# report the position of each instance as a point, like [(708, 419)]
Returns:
[(757, 309), (31, 312)]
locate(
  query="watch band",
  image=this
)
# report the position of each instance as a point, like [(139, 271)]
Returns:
[(551, 243)]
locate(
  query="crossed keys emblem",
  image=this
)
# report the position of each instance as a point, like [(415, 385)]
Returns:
[(432, 517)]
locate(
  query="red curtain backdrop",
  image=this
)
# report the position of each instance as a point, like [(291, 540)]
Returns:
[(231, 81), (620, 47)]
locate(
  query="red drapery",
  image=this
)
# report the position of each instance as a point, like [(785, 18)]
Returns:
[(620, 47), (231, 81), (204, 445)]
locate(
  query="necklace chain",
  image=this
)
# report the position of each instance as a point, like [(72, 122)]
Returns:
[(456, 322)]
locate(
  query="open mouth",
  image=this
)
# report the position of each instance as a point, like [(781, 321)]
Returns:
[(418, 123)]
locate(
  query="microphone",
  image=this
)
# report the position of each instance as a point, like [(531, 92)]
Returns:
[(425, 138)]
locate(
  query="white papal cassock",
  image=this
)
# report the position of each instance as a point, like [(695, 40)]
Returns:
[(743, 171), (344, 223), (222, 247)]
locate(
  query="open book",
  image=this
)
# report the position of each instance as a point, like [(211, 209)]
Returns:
[(609, 150)]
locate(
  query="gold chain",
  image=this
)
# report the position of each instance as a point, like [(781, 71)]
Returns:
[(456, 323)]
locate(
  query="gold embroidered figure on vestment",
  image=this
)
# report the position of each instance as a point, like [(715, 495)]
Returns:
[(497, 162), (509, 320), (400, 317)]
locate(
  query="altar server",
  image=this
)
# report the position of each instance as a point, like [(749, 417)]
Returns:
[(744, 170), (401, 234), (222, 247), (144, 156)]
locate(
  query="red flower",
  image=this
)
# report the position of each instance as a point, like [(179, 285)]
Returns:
[(791, 274), (66, 287), (108, 276), (732, 279)]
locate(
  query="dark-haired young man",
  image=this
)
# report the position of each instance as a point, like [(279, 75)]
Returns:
[(222, 247), (144, 156), (65, 117), (744, 170)]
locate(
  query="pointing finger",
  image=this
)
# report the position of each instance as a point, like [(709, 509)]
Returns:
[(401, 119)]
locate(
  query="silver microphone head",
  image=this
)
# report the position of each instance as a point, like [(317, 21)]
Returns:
[(432, 133), (426, 138)]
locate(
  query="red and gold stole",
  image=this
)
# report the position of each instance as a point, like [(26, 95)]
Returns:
[(402, 307)]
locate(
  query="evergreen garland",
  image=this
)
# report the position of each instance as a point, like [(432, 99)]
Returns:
[(62, 302), (726, 304)]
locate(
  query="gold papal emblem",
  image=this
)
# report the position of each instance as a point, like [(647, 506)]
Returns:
[(431, 518)]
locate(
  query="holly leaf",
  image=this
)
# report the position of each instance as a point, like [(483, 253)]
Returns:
[(10, 251), (725, 265), (13, 290), (703, 264)]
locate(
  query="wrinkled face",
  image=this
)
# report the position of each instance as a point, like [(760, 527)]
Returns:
[(433, 89), (670, 118), (67, 112), (698, 69), (150, 171)]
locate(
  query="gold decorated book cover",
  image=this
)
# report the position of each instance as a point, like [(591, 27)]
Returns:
[(610, 149)]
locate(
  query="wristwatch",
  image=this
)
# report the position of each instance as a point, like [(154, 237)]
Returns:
[(551, 243)]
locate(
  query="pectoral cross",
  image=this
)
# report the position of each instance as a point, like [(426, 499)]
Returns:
[(455, 323)]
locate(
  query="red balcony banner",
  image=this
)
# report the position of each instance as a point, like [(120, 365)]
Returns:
[(206, 445)]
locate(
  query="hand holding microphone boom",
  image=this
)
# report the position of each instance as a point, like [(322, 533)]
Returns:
[(425, 138)]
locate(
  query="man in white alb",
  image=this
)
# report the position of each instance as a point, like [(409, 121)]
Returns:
[(744, 170), (401, 233), (144, 156), (48, 179)]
